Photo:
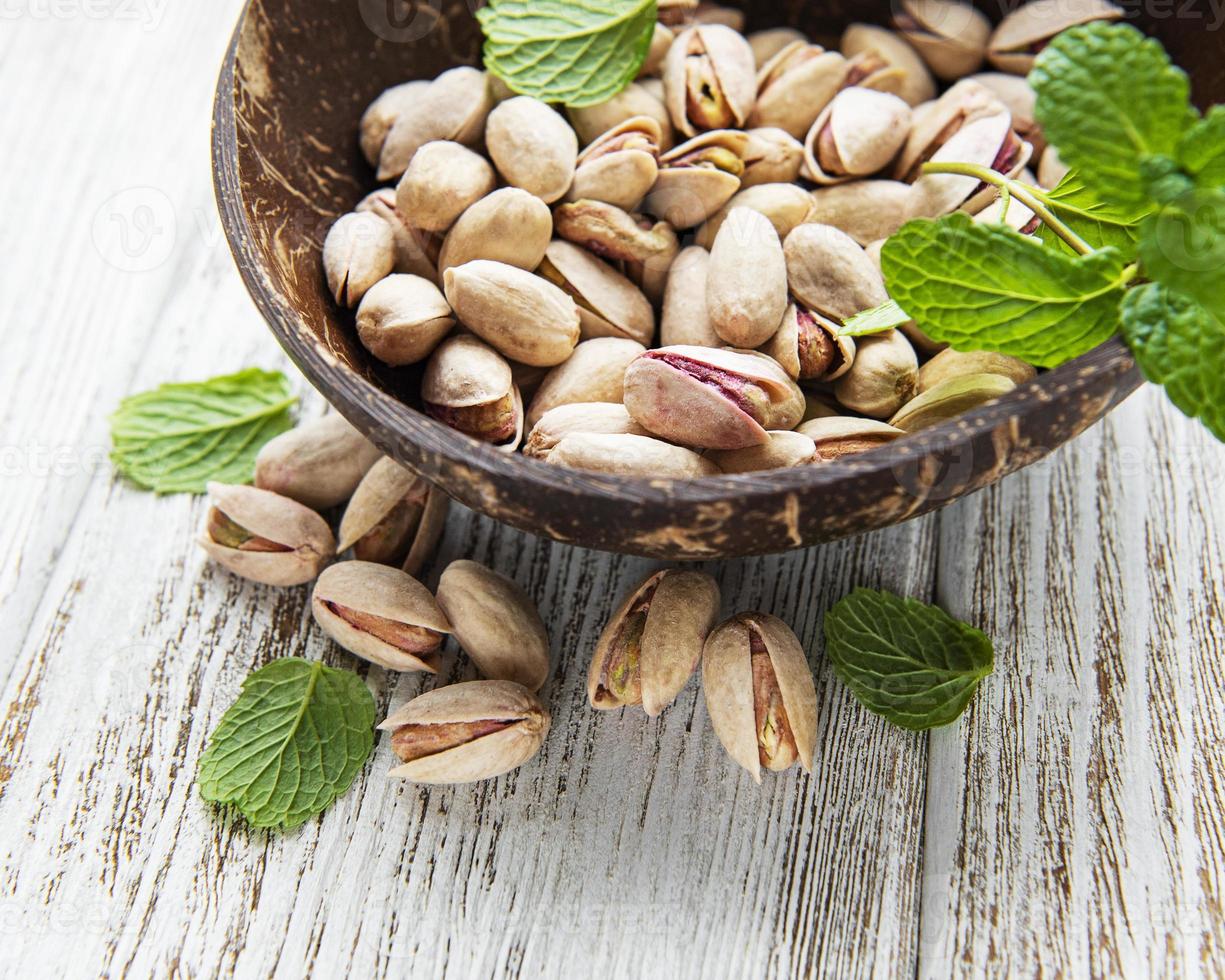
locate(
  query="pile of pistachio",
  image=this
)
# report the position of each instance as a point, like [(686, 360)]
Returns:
[(655, 286), (759, 690)]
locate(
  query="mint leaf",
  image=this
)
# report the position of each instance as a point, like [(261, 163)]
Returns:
[(1179, 345), (986, 287), (178, 437), (1164, 179), (1201, 150), (876, 320), (1107, 96), (579, 54), (293, 742), (909, 662), (1098, 223), (1183, 247)]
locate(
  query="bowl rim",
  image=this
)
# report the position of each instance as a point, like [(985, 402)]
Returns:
[(378, 412)]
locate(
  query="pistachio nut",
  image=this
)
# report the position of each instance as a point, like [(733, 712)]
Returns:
[(589, 417), (627, 454), (318, 463), (746, 286), (935, 123), (950, 34), (394, 518), (795, 86), (709, 79), (642, 249), (441, 182), (532, 147), (1051, 170), (1029, 28), (684, 320), (466, 732), (609, 305), (651, 646), (468, 386), (522, 315), (867, 39), (496, 623), (1015, 93), (635, 100), (711, 398), (382, 114), (760, 693), (265, 537), (867, 210), (402, 318), (454, 106), (883, 376), (858, 134), (784, 205), (416, 250), (620, 167), (955, 364), (381, 614), (359, 251), (809, 346), (766, 44), (950, 398), (771, 156), (838, 436), (717, 13), (697, 178), (784, 450), (595, 372), (830, 273), (510, 225), (661, 41)]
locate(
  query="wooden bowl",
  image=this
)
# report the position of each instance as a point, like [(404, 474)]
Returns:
[(286, 162)]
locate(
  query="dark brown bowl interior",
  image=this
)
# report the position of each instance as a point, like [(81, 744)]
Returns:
[(295, 81)]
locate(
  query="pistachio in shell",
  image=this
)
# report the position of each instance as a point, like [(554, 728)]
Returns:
[(771, 156), (381, 115), (1020, 99), (402, 319), (677, 13), (1021, 35), (621, 166), (653, 642), (265, 537), (947, 399), (917, 85), (416, 250), (709, 79), (698, 177), (637, 246), (554, 425), (717, 13), (533, 147), (358, 251), (685, 320), (635, 100), (318, 463), (785, 449), (867, 210), (394, 517), (454, 106), (838, 436), (661, 41), (510, 225), (795, 86), (883, 376), (829, 272), (784, 205), (629, 454), (746, 286), (858, 134), (810, 347), (609, 305), (442, 181), (468, 386), (950, 35), (595, 372), (769, 42)]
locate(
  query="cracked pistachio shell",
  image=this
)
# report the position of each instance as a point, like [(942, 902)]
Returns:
[(595, 372), (510, 225), (746, 285), (987, 140), (785, 449), (402, 319), (1051, 170), (935, 123), (697, 178), (533, 147), (685, 320), (466, 732), (950, 35), (809, 346), (609, 305), (641, 248), (661, 41), (394, 518), (604, 418), (496, 623), (867, 210), (784, 205), (265, 537), (636, 100), (842, 435), (709, 79), (830, 273), (760, 693), (766, 44), (442, 181), (620, 167), (858, 134), (359, 251), (950, 398), (382, 114), (771, 156), (416, 250), (955, 364), (469, 386), (652, 644), (522, 315), (711, 398), (1024, 32), (917, 85), (795, 86), (883, 376), (381, 614), (318, 463), (453, 106), (629, 454), (1017, 96)]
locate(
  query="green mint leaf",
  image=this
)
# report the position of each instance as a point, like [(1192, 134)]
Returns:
[(1201, 150), (909, 662), (1164, 179), (293, 742), (876, 320), (986, 287), (578, 54), (178, 437), (1183, 247), (1107, 97), (1098, 223)]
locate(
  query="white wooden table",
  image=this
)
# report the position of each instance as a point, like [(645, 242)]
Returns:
[(1073, 822)]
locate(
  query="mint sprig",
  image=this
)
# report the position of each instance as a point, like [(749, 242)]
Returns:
[(1098, 223), (1201, 150), (293, 742)]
